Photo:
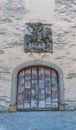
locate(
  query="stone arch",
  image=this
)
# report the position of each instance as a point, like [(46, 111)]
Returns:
[(12, 106)]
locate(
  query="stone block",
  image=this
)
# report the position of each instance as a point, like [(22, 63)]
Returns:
[(12, 108)]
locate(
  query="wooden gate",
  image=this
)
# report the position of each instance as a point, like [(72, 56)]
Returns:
[(37, 89)]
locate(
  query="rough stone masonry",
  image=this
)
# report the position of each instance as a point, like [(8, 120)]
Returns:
[(13, 16)]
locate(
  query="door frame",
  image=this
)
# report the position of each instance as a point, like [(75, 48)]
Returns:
[(12, 106)]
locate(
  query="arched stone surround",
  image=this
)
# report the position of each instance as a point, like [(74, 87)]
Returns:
[(12, 106)]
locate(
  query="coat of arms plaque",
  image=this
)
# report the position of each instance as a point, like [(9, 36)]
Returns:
[(38, 37)]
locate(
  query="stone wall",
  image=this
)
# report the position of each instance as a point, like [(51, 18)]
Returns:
[(13, 16), (65, 38)]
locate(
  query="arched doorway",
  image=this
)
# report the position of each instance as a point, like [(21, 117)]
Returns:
[(43, 72), (37, 89)]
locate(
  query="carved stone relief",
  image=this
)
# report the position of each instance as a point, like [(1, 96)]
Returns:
[(38, 37)]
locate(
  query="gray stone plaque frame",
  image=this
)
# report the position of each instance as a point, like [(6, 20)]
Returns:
[(34, 63)]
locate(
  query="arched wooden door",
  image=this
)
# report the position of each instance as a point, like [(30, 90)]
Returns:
[(37, 89)]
